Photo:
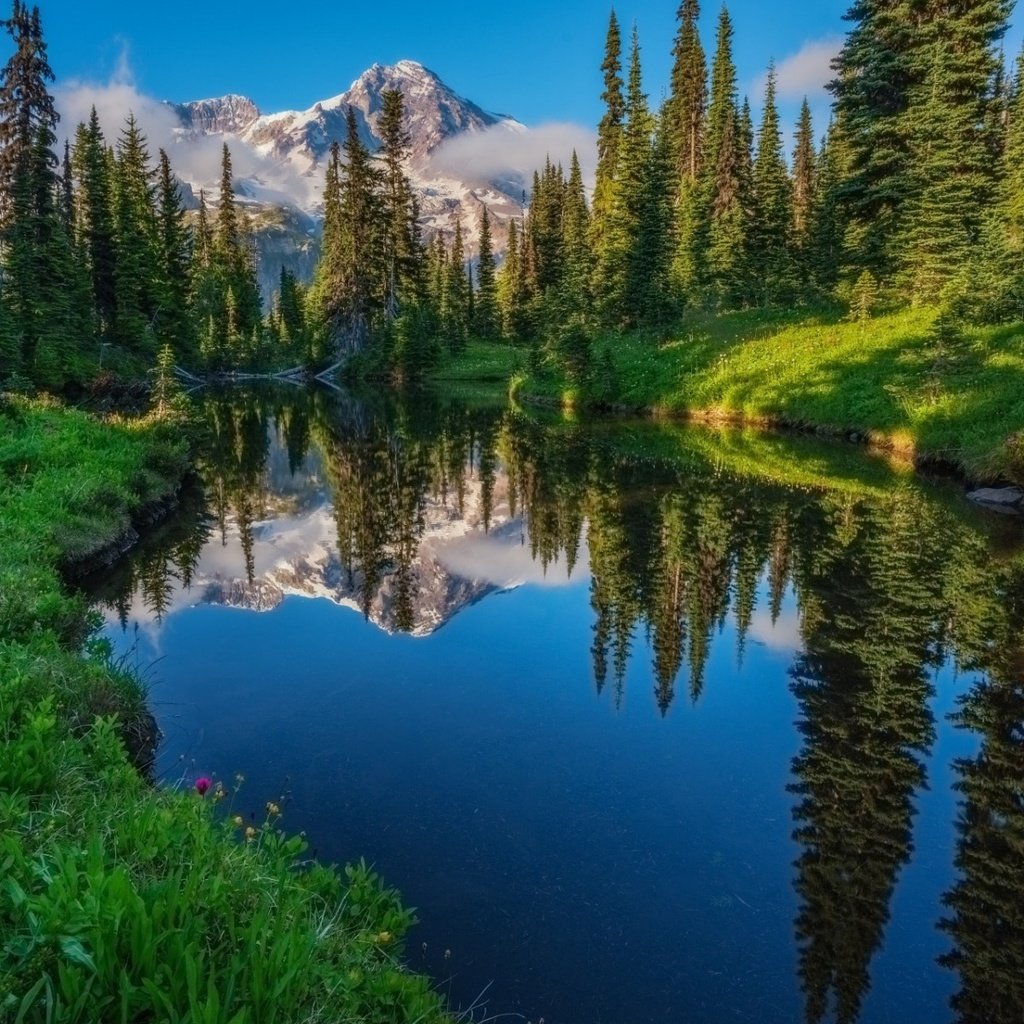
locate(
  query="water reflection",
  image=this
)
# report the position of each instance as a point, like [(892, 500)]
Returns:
[(987, 903), (412, 512)]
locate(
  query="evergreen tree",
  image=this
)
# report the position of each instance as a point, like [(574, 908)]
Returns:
[(1012, 187), (723, 214), (544, 230), (401, 255), (609, 141), (621, 282), (771, 227), (436, 278), (511, 287), (291, 318), (876, 77), (653, 253), (577, 263), (804, 189), (42, 322), (825, 243), (952, 140), (94, 217), (459, 293), (205, 299), (684, 115), (361, 236), (686, 106), (26, 106), (174, 255), (327, 296), (66, 196), (486, 300), (137, 269), (234, 259)]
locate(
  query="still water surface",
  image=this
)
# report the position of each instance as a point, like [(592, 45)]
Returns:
[(644, 734)]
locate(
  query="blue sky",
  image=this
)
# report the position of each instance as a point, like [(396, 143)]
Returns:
[(537, 60)]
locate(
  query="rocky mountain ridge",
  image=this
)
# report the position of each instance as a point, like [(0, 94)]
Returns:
[(290, 149)]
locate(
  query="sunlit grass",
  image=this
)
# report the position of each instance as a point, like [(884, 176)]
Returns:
[(886, 380)]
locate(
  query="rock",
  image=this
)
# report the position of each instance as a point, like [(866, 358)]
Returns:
[(1008, 500), (225, 114)]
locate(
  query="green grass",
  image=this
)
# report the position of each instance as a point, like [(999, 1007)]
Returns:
[(887, 379), (120, 902), (480, 361)]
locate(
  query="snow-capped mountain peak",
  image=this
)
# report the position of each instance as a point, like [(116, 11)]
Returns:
[(291, 148), (222, 115)]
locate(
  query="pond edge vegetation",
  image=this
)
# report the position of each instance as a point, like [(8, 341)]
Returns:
[(120, 900), (817, 371)]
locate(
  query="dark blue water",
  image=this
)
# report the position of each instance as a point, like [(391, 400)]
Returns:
[(642, 739)]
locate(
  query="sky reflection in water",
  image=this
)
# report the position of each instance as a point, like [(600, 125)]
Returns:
[(642, 737)]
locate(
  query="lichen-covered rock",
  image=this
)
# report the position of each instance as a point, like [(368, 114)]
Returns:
[(1001, 499)]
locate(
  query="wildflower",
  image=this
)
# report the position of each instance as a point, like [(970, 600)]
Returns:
[(273, 810), (237, 821), (250, 834), (383, 938), (202, 785)]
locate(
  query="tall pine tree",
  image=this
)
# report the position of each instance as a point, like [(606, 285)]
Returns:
[(137, 270), (486, 302), (609, 142), (771, 228), (723, 213)]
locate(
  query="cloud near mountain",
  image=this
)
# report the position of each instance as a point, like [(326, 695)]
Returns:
[(198, 162), (496, 152)]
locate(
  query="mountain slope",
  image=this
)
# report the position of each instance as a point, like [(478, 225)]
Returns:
[(288, 152)]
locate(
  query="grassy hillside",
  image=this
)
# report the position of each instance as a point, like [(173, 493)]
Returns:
[(888, 380)]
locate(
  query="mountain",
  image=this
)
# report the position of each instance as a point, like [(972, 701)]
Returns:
[(226, 115), (282, 160)]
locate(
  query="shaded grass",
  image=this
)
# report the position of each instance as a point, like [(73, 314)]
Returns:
[(480, 361), (888, 379), (69, 485), (120, 902)]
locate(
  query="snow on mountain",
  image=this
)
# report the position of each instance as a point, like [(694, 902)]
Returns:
[(226, 114), (292, 147)]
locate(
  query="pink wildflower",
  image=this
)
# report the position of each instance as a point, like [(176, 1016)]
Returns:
[(202, 785)]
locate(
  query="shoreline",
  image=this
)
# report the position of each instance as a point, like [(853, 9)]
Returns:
[(885, 383), (870, 441), (77, 804)]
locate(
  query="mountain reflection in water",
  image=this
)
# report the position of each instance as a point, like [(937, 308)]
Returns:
[(844, 652)]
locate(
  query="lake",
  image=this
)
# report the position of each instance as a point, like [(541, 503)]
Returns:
[(649, 723)]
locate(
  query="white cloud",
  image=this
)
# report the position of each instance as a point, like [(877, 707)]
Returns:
[(808, 71), (502, 150), (196, 161)]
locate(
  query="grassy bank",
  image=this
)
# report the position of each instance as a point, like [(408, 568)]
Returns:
[(120, 902), (887, 380)]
